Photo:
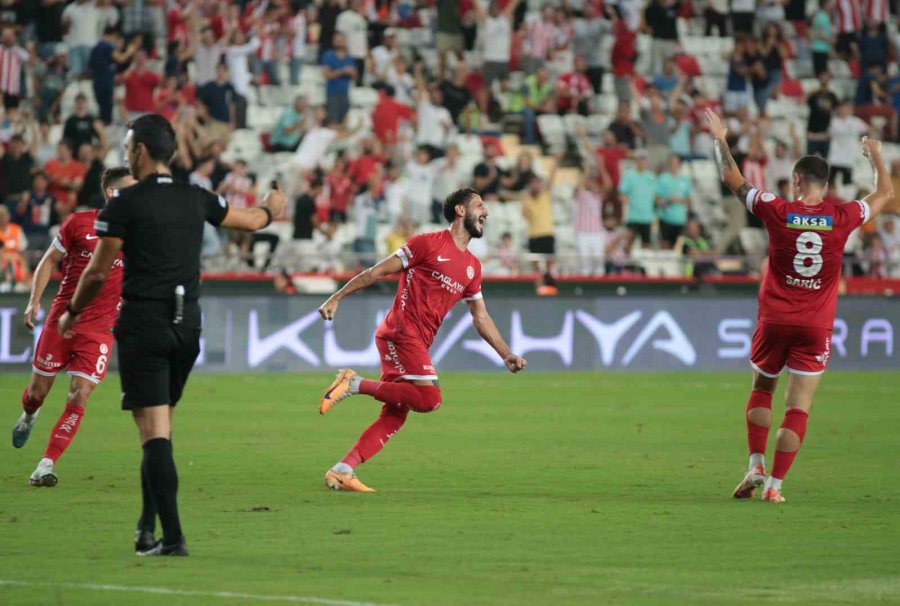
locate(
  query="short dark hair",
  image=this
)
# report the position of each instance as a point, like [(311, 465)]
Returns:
[(156, 134), (460, 196), (111, 175), (813, 169)]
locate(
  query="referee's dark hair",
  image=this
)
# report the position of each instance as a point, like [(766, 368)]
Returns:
[(111, 175), (156, 134), (460, 196), (812, 169)]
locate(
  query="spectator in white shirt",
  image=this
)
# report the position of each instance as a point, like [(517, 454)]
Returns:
[(297, 29), (384, 55), (496, 36), (237, 56), (451, 176), (84, 28), (207, 56), (845, 130), (353, 24), (435, 124), (420, 173)]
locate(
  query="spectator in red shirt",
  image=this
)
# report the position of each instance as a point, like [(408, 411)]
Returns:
[(387, 116), (179, 28), (140, 84), (574, 90), (622, 57), (368, 162), (340, 190), (66, 176), (168, 99), (611, 153)]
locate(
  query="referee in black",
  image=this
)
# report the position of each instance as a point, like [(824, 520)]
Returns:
[(158, 225)]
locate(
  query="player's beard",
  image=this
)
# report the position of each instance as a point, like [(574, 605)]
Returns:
[(470, 223)]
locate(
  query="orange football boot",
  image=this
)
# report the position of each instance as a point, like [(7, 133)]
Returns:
[(337, 391), (755, 478), (773, 495), (345, 481)]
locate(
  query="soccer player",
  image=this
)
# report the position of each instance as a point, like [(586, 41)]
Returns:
[(86, 356), (438, 271), (797, 299)]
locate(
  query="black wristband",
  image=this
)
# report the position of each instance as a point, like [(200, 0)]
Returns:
[(268, 215), (71, 311)]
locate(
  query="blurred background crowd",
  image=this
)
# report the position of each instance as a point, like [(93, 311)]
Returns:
[(580, 121)]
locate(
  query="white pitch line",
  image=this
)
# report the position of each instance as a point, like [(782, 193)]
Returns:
[(228, 595)]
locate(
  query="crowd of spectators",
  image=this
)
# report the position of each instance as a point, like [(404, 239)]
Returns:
[(580, 121)]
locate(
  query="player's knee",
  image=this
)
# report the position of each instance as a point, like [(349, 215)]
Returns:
[(79, 394), (430, 398), (764, 384), (36, 393)]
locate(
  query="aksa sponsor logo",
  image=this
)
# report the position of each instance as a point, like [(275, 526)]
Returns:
[(806, 222)]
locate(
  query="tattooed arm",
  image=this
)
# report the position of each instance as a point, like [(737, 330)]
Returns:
[(728, 169)]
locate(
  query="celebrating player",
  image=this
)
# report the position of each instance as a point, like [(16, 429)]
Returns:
[(438, 271), (86, 356), (797, 299)]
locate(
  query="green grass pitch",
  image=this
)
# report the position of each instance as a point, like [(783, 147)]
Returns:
[(544, 489)]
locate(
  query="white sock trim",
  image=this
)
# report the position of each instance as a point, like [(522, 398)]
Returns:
[(757, 458), (773, 483), (354, 383), (341, 467)]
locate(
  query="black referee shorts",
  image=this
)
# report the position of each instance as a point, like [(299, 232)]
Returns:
[(155, 355)]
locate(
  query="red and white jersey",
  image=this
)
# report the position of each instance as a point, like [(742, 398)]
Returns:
[(806, 249), (754, 172), (575, 83), (436, 276), (588, 215), (11, 60), (876, 10), (77, 241), (268, 41), (846, 16), (239, 190), (541, 38)]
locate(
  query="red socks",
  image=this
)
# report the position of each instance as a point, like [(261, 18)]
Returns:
[(399, 398), (421, 398), (376, 435), (757, 435), (65, 429), (795, 420), (30, 404)]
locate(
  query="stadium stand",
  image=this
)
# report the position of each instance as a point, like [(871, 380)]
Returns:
[(368, 112)]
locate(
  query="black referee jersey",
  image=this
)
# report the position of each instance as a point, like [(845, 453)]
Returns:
[(160, 222)]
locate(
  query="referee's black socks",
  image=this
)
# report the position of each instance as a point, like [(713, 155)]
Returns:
[(147, 521), (162, 480)]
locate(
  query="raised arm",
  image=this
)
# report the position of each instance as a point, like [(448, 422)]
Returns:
[(487, 330), (39, 283), (728, 169), (252, 219), (390, 265), (884, 188)]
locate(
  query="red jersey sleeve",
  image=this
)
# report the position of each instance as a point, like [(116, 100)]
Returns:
[(853, 214), (63, 239), (473, 290), (414, 251), (765, 205)]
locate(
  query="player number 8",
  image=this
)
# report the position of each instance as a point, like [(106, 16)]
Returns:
[(809, 245)]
